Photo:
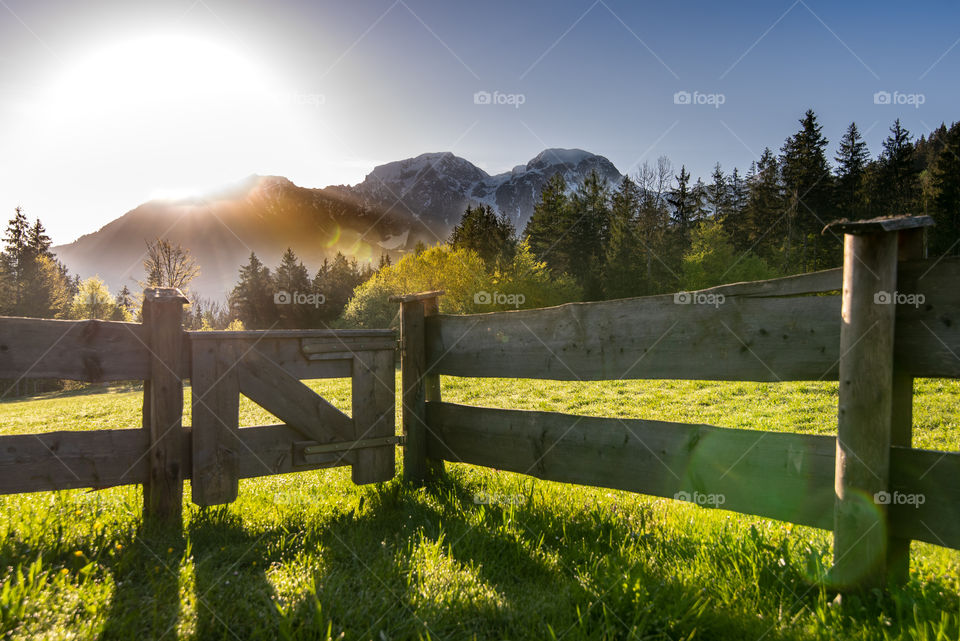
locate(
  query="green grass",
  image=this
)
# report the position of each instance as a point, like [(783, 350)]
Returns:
[(310, 555)]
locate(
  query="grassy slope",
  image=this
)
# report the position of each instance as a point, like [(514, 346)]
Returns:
[(310, 555)]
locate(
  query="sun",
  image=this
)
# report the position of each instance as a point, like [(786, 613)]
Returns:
[(186, 111)]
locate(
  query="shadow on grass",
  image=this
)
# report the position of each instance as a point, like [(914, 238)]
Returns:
[(408, 563), (146, 601)]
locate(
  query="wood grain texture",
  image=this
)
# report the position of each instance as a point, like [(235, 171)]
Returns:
[(742, 338), (777, 475), (70, 460), (266, 450), (89, 350), (373, 412), (163, 411), (864, 410), (925, 496), (928, 332), (215, 422), (270, 386), (284, 351), (413, 369)]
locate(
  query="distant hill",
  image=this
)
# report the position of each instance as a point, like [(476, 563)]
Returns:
[(396, 205)]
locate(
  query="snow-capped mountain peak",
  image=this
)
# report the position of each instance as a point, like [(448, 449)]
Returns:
[(437, 187)]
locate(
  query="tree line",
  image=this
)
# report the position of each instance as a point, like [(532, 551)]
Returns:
[(656, 231), (652, 232)]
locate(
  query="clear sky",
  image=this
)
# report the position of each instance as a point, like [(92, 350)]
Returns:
[(104, 104)]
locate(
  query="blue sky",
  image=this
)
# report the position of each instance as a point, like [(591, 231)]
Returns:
[(322, 91)]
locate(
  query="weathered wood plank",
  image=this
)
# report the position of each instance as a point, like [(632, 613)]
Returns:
[(373, 415), (431, 384), (289, 334), (265, 450), (776, 475), (70, 460), (924, 496), (413, 368), (928, 330), (864, 411), (311, 346), (285, 352), (879, 225), (271, 387), (163, 412), (742, 338), (827, 280), (89, 350), (910, 246), (215, 422)]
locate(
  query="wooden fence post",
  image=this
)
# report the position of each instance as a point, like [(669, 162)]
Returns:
[(911, 246), (163, 407), (418, 386), (865, 412)]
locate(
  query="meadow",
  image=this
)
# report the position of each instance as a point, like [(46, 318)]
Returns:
[(482, 554)]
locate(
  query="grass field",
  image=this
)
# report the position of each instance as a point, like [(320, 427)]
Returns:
[(312, 556)]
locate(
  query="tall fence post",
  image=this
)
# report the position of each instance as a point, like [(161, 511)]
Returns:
[(911, 246), (861, 542), (163, 407), (418, 385)]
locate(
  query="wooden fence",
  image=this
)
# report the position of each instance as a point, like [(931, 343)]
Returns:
[(867, 485), (214, 452)]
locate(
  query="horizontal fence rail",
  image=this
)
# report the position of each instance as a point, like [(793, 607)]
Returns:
[(884, 319), (778, 330), (214, 453), (778, 475)]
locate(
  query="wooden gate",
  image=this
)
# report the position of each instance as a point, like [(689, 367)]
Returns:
[(266, 367)]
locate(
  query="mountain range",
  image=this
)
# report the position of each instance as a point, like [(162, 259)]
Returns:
[(397, 205)]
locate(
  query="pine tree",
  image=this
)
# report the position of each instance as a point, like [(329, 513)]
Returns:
[(679, 198), (765, 221), (945, 238), (621, 256), (492, 236), (336, 282), (588, 230), (808, 187), (14, 259), (252, 299), (852, 158), (546, 231), (734, 218), (718, 193), (124, 306), (294, 279), (896, 184)]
